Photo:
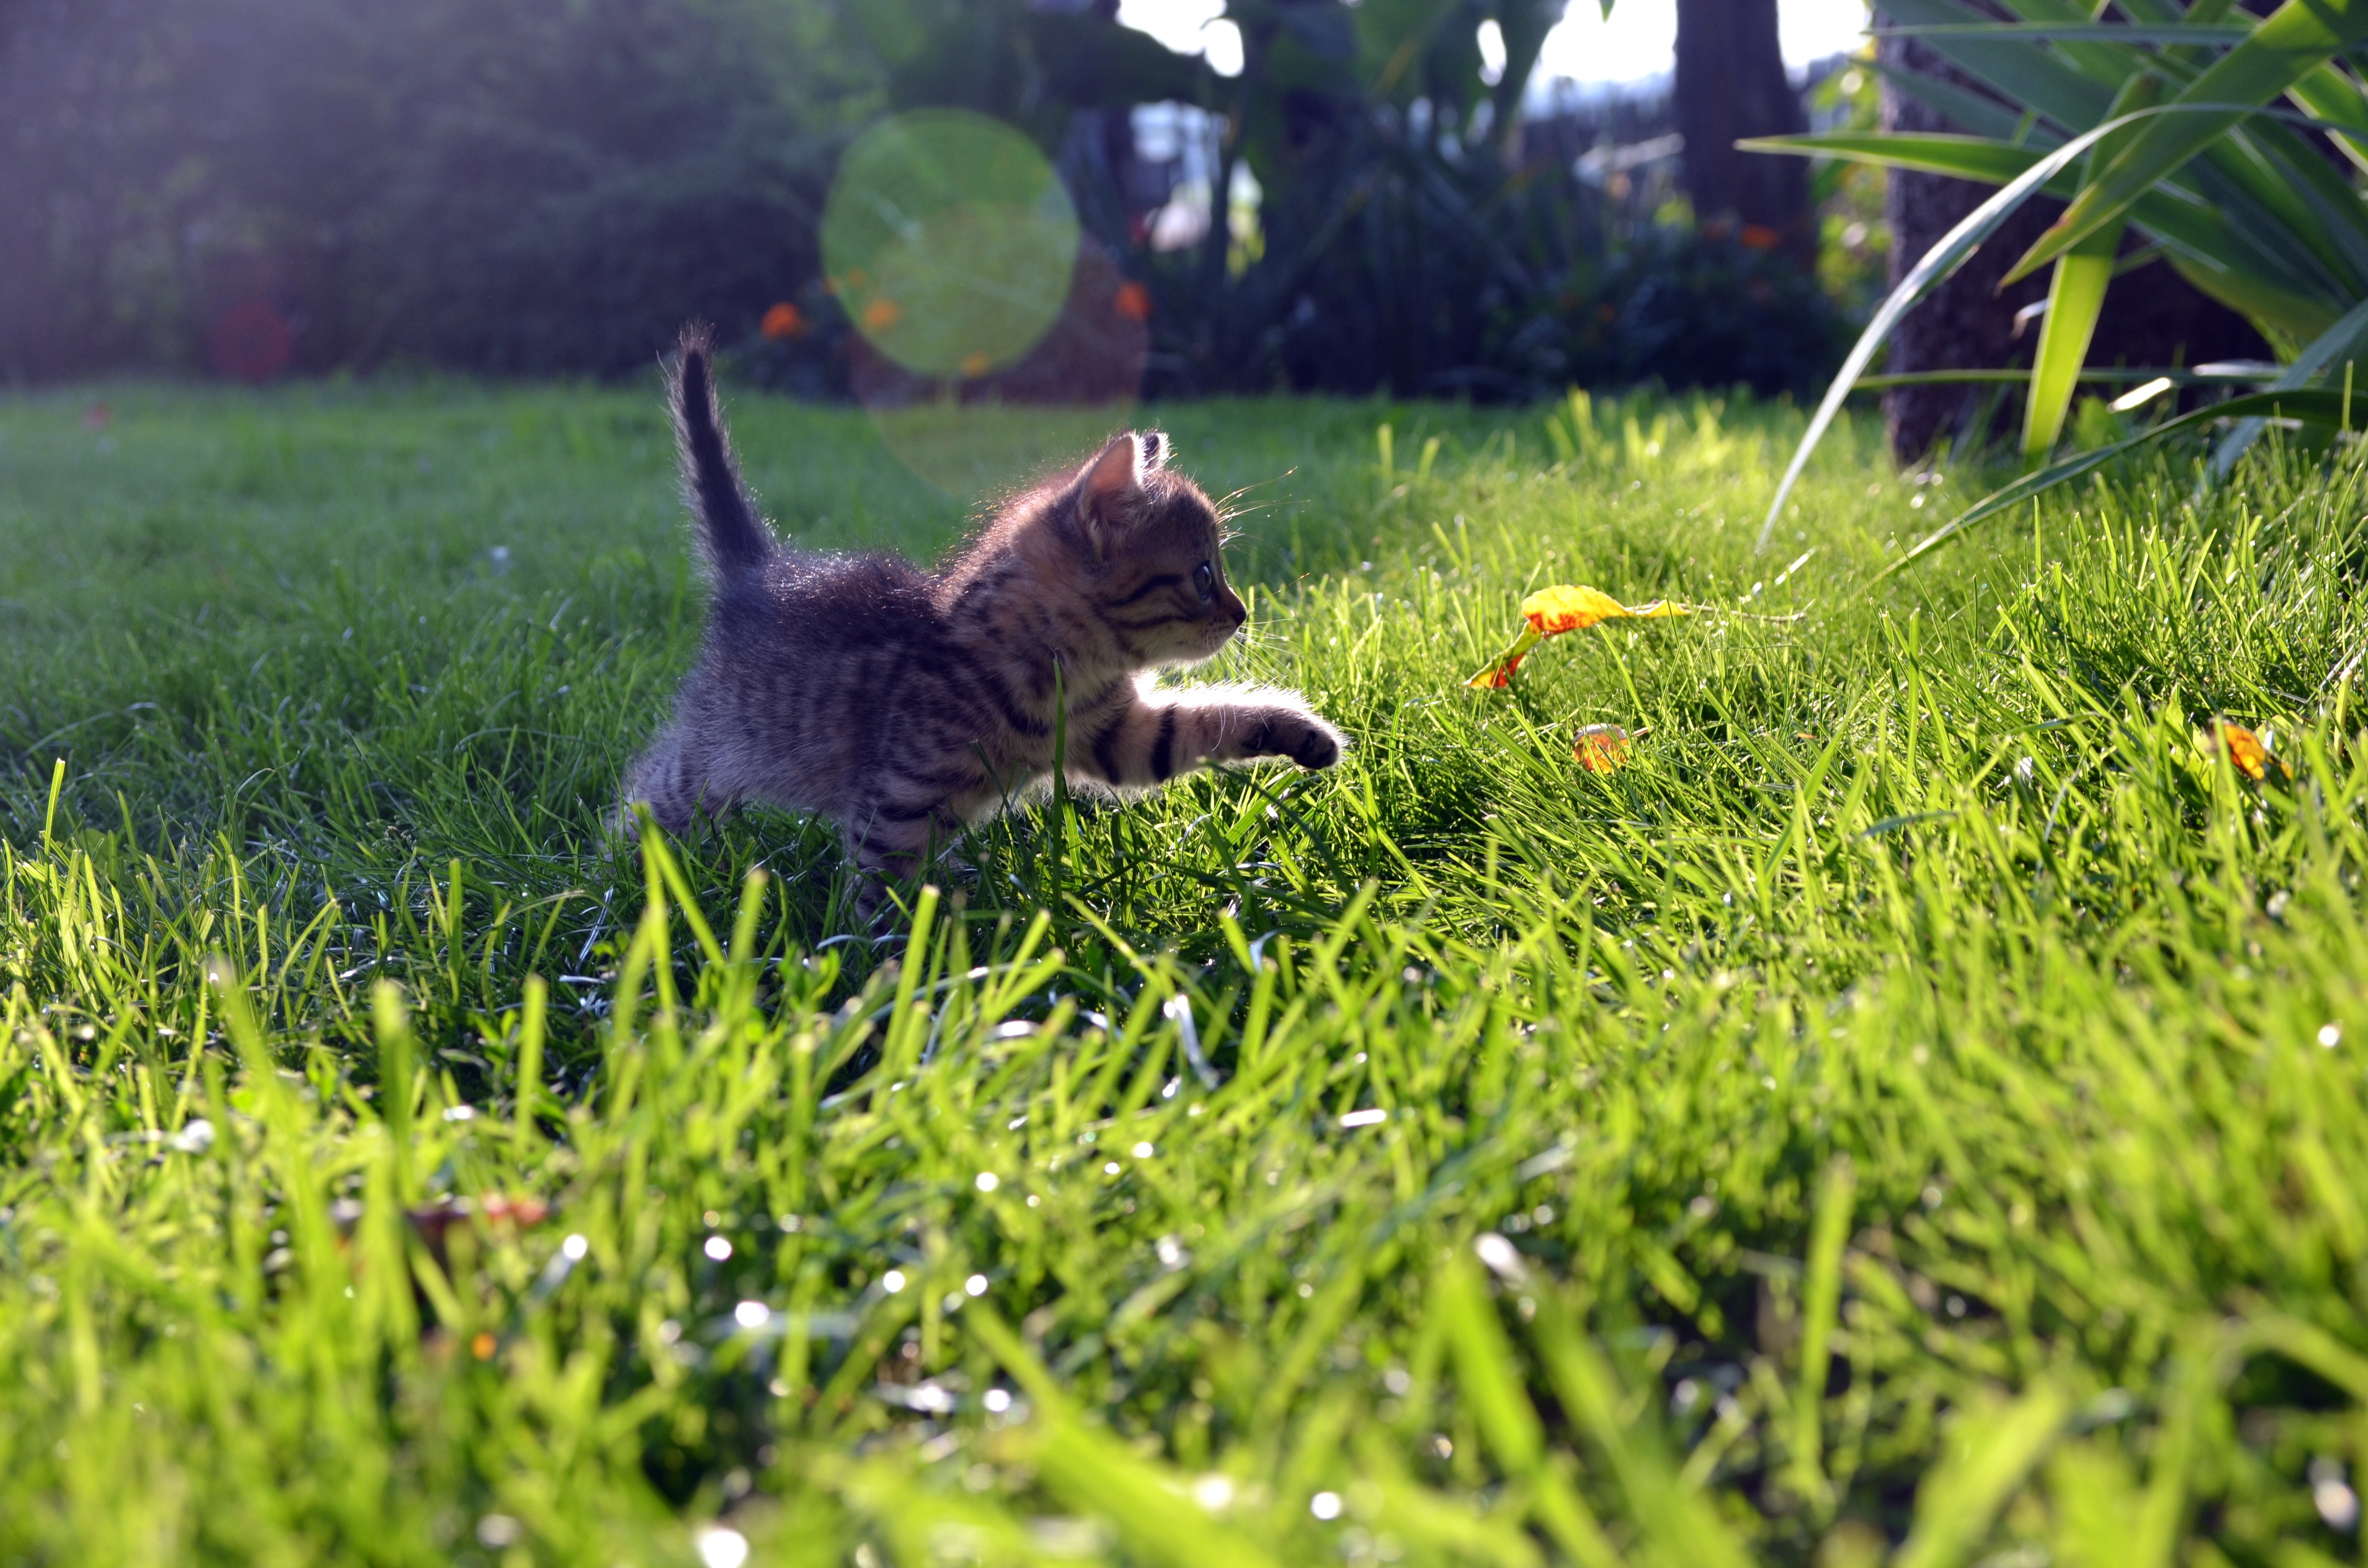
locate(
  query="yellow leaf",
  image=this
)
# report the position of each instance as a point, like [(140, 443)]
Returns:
[(1563, 608), (1550, 612), (1500, 669)]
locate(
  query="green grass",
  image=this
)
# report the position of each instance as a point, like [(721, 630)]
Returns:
[(1913, 1111)]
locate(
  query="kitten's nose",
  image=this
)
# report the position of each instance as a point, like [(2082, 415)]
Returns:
[(1234, 609)]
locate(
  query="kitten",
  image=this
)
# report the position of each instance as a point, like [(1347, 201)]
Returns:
[(903, 703)]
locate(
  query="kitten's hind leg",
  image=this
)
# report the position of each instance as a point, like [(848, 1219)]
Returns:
[(676, 790)]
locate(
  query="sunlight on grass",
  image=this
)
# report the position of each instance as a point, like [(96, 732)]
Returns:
[(1902, 1108)]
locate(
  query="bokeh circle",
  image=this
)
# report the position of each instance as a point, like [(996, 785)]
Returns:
[(995, 343), (950, 240)]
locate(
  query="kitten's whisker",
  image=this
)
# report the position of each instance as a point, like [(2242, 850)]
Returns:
[(1231, 496)]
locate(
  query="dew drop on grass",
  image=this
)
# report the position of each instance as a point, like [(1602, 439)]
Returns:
[(1325, 1505), (1501, 1256), (1142, 1152), (987, 1181), (893, 1281), (752, 1314), (717, 1248), (573, 1248), (721, 1547), (996, 1401), (2329, 1036), (1213, 1493), (975, 1284)]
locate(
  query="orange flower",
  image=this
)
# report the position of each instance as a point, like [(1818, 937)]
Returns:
[(1133, 301), (1602, 748), (2246, 752), (975, 366), (882, 314), (1759, 237), (784, 320)]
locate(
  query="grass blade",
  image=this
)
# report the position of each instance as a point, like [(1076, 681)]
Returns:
[(1989, 1455)]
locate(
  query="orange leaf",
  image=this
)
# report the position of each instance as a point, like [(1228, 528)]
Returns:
[(1602, 748), (2246, 752)]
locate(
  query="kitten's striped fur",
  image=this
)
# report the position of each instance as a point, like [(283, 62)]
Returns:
[(904, 703)]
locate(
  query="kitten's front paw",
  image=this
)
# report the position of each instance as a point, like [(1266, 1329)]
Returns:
[(1307, 740)]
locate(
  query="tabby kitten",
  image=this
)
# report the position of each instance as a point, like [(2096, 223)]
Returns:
[(904, 703)]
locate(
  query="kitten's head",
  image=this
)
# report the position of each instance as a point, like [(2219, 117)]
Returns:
[(1152, 545)]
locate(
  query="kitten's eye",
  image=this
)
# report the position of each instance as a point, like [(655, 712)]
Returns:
[(1205, 581)]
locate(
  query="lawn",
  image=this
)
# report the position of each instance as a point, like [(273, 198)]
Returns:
[(1912, 1111)]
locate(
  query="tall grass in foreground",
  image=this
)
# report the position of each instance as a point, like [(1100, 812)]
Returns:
[(1912, 1113)]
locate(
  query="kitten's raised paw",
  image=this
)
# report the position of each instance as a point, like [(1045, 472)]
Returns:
[(1307, 741)]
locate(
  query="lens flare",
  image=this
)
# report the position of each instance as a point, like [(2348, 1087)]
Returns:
[(954, 250), (950, 240)]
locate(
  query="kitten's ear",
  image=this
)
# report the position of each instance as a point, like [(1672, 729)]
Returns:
[(1110, 488)]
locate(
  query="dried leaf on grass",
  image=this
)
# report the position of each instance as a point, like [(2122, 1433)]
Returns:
[(1563, 608), (1602, 748), (2247, 753)]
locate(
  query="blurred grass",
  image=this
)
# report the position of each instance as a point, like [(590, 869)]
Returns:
[(1913, 1111)]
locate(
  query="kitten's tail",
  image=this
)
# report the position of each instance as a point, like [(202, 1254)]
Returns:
[(731, 536)]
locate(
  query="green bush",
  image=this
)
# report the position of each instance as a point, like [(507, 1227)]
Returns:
[(545, 186)]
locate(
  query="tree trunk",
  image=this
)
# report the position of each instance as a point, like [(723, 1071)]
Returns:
[(1731, 85)]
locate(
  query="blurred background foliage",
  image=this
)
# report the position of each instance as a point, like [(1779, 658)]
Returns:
[(551, 187)]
